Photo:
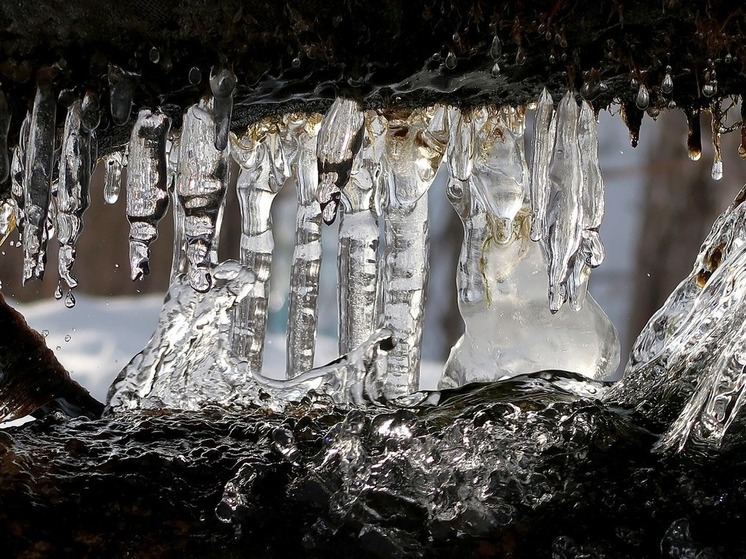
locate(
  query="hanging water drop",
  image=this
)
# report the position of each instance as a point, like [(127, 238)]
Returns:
[(154, 55), (495, 69), (667, 84), (113, 164), (122, 87), (70, 299), (451, 60), (710, 88), (496, 48), (643, 97), (58, 291), (195, 75)]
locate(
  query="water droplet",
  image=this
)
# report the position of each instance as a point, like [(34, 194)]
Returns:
[(45, 333), (717, 169), (710, 89), (643, 97), (68, 338), (57, 348), (520, 56), (58, 291), (195, 75), (667, 85), (154, 55), (451, 60), (296, 62), (496, 48), (634, 84), (70, 300), (672, 104), (728, 58), (495, 69)]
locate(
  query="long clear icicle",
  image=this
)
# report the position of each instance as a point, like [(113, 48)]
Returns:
[(357, 250), (18, 175), (340, 138), (38, 181), (544, 132), (7, 206), (76, 167), (564, 216), (147, 186), (260, 155), (201, 182), (302, 131), (591, 253), (413, 155)]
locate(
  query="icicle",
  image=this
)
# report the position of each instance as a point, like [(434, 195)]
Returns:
[(72, 193), (742, 146), (201, 183), (178, 257), (260, 155), (122, 86), (339, 140), (304, 274), (564, 218), (591, 252), (7, 205), (462, 145), (18, 176), (38, 181), (694, 134), (717, 158), (222, 85), (113, 164), (413, 155), (147, 186), (4, 127), (357, 257), (544, 132)]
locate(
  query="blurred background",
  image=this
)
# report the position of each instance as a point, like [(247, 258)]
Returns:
[(659, 207)]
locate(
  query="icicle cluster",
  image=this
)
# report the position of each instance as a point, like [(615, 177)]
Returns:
[(567, 196)]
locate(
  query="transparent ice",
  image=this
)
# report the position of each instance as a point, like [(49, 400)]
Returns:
[(300, 146), (37, 182), (122, 87), (113, 165), (414, 146), (263, 171), (147, 186)]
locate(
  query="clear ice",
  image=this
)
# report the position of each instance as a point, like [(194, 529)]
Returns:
[(122, 87), (18, 177), (690, 352), (113, 165), (222, 85), (501, 277), (201, 183), (358, 249), (414, 146), (76, 166), (147, 186), (37, 182), (263, 171), (339, 140), (300, 142), (7, 205)]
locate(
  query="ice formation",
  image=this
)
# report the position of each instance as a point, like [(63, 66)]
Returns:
[(501, 276)]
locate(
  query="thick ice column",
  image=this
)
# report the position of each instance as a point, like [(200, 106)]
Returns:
[(357, 256), (201, 183), (302, 131), (264, 170), (412, 157), (147, 186), (76, 167), (38, 181)]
